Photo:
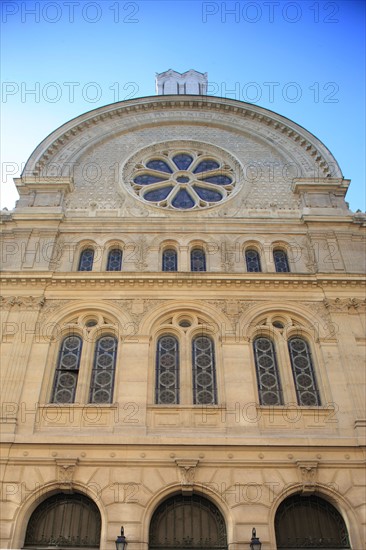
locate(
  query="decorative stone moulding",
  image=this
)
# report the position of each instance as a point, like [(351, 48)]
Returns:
[(36, 191), (60, 140)]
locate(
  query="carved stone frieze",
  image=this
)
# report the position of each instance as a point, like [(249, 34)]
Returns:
[(346, 305), (23, 302), (7, 302)]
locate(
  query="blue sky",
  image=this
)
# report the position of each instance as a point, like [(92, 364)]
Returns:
[(304, 60)]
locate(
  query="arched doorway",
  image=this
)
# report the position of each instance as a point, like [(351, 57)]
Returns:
[(65, 520), (185, 522), (309, 522)]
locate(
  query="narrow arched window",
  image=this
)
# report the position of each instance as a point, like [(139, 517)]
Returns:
[(170, 260), (67, 371), (268, 380), (102, 380), (198, 260), (86, 260), (167, 371), (281, 261), (303, 372), (203, 371), (114, 262), (253, 261)]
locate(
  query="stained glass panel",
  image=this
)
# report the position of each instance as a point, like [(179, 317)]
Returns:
[(269, 386), (114, 262), (159, 165), (204, 373), (102, 380), (182, 161), (205, 166), (86, 260), (198, 260), (281, 261), (253, 261), (167, 371), (67, 371), (303, 372), (170, 260)]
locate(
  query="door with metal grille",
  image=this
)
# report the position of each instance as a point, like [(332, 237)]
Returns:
[(65, 520), (187, 522), (309, 522)]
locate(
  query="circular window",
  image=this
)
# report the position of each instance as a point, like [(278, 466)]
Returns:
[(182, 178)]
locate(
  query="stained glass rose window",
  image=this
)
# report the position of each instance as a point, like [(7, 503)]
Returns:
[(183, 179)]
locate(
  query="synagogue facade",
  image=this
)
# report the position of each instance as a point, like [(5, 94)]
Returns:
[(183, 333)]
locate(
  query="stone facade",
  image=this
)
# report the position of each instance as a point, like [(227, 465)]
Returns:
[(287, 194)]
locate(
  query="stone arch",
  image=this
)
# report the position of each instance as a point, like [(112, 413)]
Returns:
[(41, 494), (312, 323), (333, 497), (213, 316), (199, 489)]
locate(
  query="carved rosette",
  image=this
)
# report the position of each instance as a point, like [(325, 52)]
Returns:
[(308, 473), (187, 469)]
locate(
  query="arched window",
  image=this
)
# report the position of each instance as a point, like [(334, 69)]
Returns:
[(281, 261), (253, 261), (64, 520), (102, 380), (114, 262), (86, 260), (198, 260), (204, 372), (170, 260), (303, 372), (187, 522), (67, 371), (269, 386), (309, 522), (167, 371)]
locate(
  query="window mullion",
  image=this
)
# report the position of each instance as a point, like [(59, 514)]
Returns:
[(86, 364)]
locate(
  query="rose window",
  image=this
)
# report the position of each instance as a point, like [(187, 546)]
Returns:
[(183, 180)]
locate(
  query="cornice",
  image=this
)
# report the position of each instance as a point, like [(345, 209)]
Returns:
[(180, 280), (52, 144)]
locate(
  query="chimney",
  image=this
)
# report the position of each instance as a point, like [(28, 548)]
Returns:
[(190, 82)]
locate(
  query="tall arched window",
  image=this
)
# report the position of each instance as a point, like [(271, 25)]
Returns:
[(303, 372), (67, 371), (204, 372), (170, 260), (198, 260), (167, 371), (253, 261), (187, 522), (101, 387), (309, 522), (281, 261), (114, 262), (269, 386), (64, 520), (86, 260)]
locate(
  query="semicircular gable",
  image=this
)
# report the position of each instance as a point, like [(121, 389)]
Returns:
[(67, 143)]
